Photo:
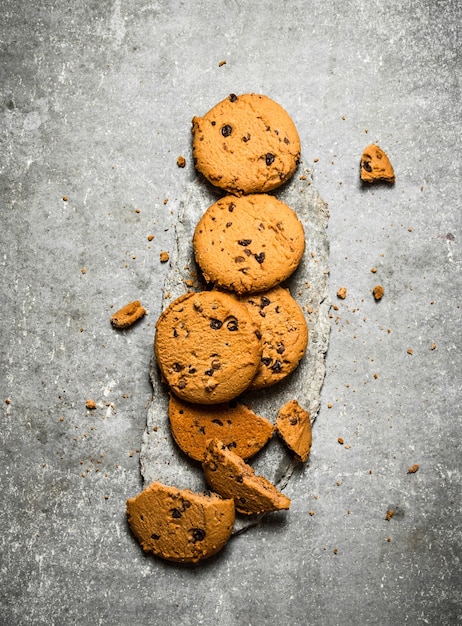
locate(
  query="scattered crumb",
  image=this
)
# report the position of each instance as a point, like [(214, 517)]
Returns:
[(376, 376), (164, 257), (311, 513), (65, 198), (128, 315), (7, 401), (410, 351), (90, 404), (374, 270), (165, 200), (378, 292), (347, 446), (221, 63), (150, 237), (389, 514), (343, 117), (181, 161), (413, 469), (315, 160), (341, 293), (329, 405), (388, 539), (433, 346), (137, 211), (340, 440), (83, 270), (335, 550)]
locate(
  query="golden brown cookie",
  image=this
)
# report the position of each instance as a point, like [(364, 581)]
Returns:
[(231, 477), (284, 334), (246, 144), (207, 346), (294, 426), (248, 244), (178, 524), (239, 428), (375, 165)]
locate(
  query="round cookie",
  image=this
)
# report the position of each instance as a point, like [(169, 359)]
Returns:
[(178, 524), (284, 333), (239, 428), (248, 243), (207, 346), (246, 144)]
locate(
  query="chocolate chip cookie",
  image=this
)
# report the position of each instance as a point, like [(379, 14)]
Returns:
[(207, 346), (246, 144), (248, 244)]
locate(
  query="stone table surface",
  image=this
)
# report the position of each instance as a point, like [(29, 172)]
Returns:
[(96, 105)]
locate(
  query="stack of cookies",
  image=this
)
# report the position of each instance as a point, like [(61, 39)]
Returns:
[(243, 332)]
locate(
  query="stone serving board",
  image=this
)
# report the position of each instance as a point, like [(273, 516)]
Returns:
[(161, 460)]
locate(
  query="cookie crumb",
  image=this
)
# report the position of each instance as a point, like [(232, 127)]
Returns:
[(150, 237), (389, 514), (221, 63), (410, 351), (329, 405), (311, 512), (340, 440), (90, 404), (413, 469), (128, 315), (378, 292), (374, 270), (164, 257), (65, 198), (341, 293), (181, 161), (433, 346), (83, 270), (335, 550)]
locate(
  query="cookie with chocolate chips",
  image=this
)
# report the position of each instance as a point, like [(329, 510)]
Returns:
[(249, 243), (207, 346), (237, 426), (246, 144), (284, 334), (178, 524)]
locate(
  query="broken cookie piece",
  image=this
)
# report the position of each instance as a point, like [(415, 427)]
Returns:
[(193, 425), (294, 427), (376, 166), (128, 315), (178, 524), (231, 477)]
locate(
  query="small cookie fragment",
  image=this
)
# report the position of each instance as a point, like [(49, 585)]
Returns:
[(181, 161), (341, 293), (284, 334), (207, 346), (246, 144), (294, 426), (231, 477), (128, 315), (164, 257), (178, 524), (90, 405), (413, 469), (248, 244), (376, 166), (378, 292), (239, 428)]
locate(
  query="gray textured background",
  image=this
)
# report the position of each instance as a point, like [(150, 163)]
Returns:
[(96, 102)]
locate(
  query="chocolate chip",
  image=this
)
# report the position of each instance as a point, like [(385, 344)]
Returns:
[(181, 384), (232, 97), (258, 334), (246, 138), (239, 259), (266, 360), (293, 421), (215, 324), (228, 224), (217, 421), (155, 537), (226, 130), (247, 252), (216, 365), (269, 158), (239, 479), (214, 123), (176, 513), (175, 332), (244, 242), (366, 166), (202, 430), (232, 325), (265, 301), (281, 348), (177, 367), (277, 367), (198, 534), (242, 499), (260, 257), (262, 313), (192, 370), (208, 372), (231, 207)]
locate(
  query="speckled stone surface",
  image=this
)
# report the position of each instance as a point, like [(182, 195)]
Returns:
[(96, 102)]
